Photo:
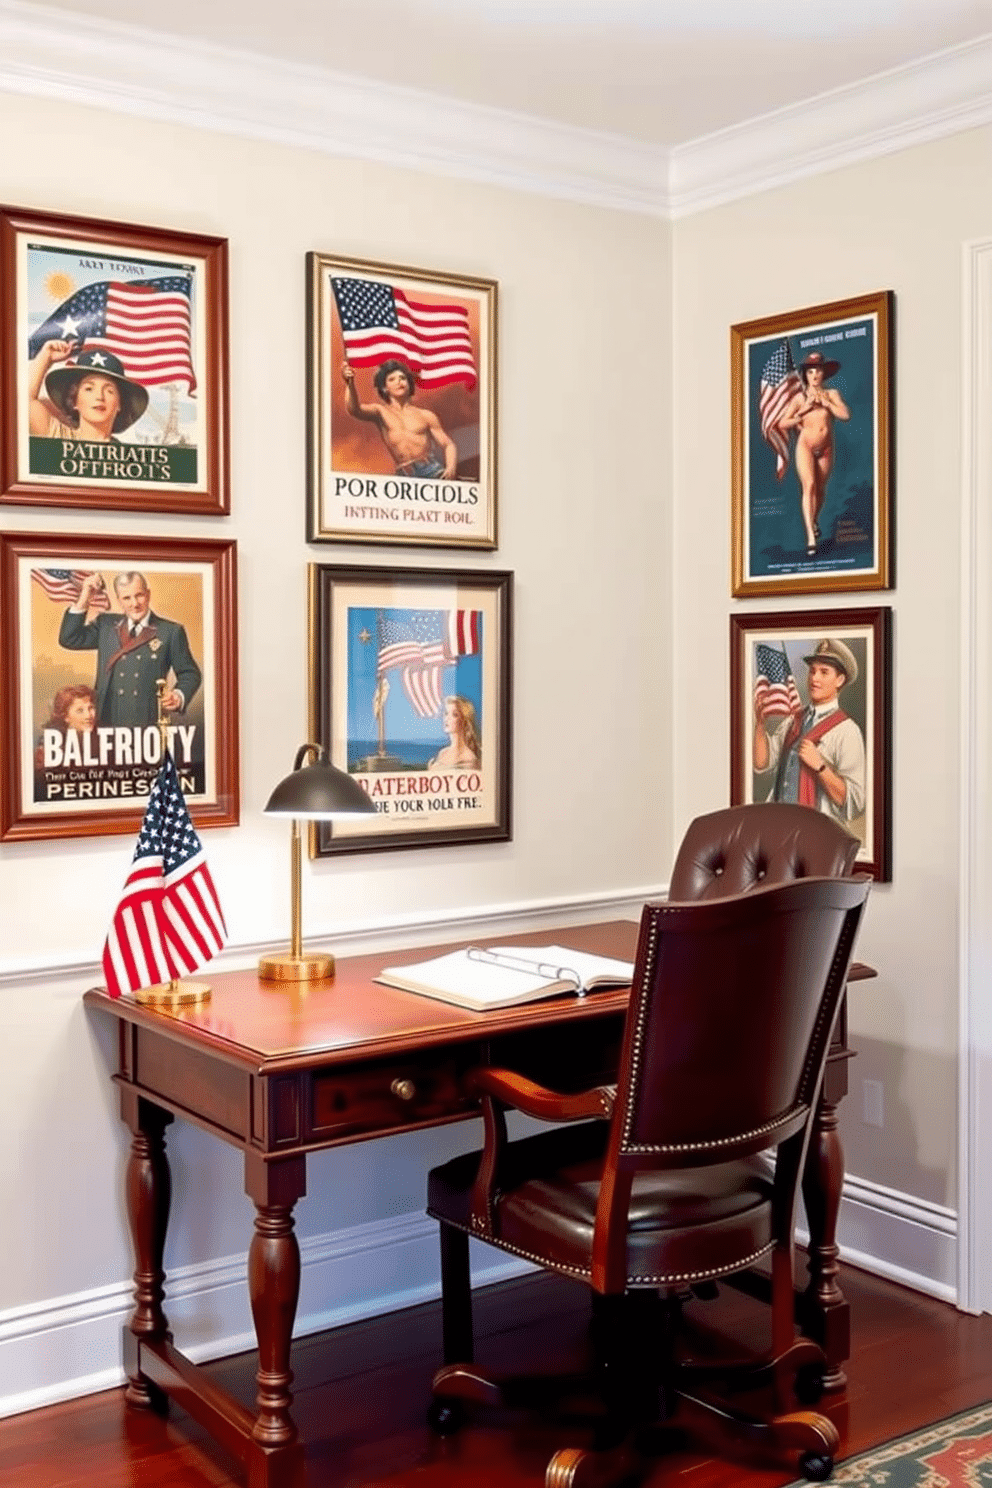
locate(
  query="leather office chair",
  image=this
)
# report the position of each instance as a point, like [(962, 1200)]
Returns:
[(738, 848), (663, 1179)]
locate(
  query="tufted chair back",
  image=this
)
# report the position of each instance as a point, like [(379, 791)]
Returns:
[(730, 851)]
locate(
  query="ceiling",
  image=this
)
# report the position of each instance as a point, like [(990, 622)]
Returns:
[(658, 71)]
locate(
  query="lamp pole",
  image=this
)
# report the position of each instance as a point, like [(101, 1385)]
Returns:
[(319, 792)]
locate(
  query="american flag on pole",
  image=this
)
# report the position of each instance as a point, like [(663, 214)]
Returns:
[(169, 920), (379, 321), (779, 384), (775, 692), (422, 643), (146, 323), (64, 586)]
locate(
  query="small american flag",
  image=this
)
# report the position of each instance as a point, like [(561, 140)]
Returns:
[(144, 322), (168, 921), (775, 692), (423, 643), (65, 585), (378, 321), (779, 384)]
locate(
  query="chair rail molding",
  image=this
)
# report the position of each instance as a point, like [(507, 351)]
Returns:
[(381, 934)]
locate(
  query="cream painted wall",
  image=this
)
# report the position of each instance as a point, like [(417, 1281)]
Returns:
[(584, 466), (898, 223)]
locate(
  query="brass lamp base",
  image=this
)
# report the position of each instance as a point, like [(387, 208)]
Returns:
[(312, 967), (174, 994)]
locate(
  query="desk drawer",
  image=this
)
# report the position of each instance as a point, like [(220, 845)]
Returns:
[(390, 1095)]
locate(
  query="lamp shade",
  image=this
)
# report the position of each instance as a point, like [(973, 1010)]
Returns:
[(318, 790)]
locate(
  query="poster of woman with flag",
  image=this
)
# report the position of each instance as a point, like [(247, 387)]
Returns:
[(113, 366), (411, 695), (811, 434), (401, 405)]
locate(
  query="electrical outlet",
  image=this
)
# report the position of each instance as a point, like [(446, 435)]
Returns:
[(874, 1103)]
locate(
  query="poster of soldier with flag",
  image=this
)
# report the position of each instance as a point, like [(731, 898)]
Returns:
[(411, 695), (810, 438), (113, 366), (401, 413)]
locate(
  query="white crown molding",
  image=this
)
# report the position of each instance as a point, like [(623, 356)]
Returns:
[(941, 95), (48, 53)]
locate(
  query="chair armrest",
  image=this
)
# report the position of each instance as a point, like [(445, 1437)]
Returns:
[(535, 1100), (502, 1087)]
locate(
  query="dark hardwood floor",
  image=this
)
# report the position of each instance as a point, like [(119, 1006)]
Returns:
[(361, 1394)]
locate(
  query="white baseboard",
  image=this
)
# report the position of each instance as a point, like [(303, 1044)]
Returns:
[(71, 1346), (901, 1238)]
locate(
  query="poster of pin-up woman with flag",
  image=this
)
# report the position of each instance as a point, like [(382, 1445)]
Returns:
[(411, 696), (113, 366)]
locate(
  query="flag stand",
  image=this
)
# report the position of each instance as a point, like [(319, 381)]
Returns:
[(175, 993)]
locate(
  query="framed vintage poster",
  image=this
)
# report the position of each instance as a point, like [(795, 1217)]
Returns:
[(401, 405), (91, 625), (812, 403), (410, 693), (113, 374), (810, 719)]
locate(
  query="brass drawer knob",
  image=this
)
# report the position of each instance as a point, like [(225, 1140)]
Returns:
[(404, 1089)]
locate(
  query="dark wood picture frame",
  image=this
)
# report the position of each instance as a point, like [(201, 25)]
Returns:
[(87, 773), (413, 465), (772, 658), (142, 309), (411, 693), (812, 403)]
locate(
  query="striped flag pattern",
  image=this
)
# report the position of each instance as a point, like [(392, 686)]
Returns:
[(379, 321), (775, 692), (64, 586), (422, 643), (779, 384), (145, 323), (168, 921)]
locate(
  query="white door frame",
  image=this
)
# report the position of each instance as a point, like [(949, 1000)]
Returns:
[(975, 943)]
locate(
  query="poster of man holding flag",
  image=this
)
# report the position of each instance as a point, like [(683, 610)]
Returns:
[(402, 405), (112, 381), (810, 719), (411, 696)]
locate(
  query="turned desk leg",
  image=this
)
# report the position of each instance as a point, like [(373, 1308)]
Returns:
[(148, 1190), (827, 1311), (274, 1288)]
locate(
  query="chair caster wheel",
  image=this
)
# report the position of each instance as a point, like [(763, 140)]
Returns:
[(816, 1467), (445, 1416), (809, 1384)]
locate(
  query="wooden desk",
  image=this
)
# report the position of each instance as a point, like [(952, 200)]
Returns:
[(280, 1072)]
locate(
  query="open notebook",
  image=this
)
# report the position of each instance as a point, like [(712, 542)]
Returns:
[(502, 976)]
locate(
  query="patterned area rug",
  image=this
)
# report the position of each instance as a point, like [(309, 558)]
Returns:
[(956, 1453)]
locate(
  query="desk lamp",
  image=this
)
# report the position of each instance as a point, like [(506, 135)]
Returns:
[(316, 791)]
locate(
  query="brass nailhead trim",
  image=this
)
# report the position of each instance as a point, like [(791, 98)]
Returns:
[(661, 1279)]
